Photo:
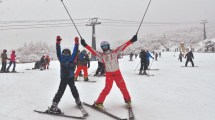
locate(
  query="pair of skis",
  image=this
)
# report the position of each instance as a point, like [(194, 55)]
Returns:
[(130, 112), (146, 74), (85, 114), (83, 111), (10, 72)]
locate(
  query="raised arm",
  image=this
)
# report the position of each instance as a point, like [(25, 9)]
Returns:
[(94, 52), (150, 55), (75, 49), (58, 48), (125, 45)]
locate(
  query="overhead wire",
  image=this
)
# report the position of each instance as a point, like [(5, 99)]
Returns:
[(7, 25)]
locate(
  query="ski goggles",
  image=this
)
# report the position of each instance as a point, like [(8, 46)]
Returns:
[(105, 47)]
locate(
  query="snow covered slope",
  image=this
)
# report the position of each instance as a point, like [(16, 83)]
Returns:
[(174, 93)]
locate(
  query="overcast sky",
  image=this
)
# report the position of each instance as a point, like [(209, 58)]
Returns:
[(160, 11)]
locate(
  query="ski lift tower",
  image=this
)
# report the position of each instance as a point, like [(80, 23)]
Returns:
[(93, 23), (204, 22)]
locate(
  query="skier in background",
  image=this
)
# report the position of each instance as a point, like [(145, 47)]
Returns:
[(143, 62), (135, 55), (131, 56), (101, 68), (42, 62), (4, 60), (148, 58), (83, 64), (47, 62), (12, 61), (159, 54), (180, 57), (190, 58), (109, 57), (156, 56), (67, 68)]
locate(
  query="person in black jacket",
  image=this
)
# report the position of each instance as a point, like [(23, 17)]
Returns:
[(67, 68), (190, 58), (100, 69), (144, 62)]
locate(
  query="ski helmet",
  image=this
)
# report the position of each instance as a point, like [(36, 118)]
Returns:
[(66, 52), (105, 45)]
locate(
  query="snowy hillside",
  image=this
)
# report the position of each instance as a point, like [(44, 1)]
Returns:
[(169, 40), (173, 93), (206, 45)]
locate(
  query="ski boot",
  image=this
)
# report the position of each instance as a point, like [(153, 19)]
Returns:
[(144, 73), (75, 78), (128, 103), (99, 106), (54, 109), (86, 78), (140, 73), (78, 102)]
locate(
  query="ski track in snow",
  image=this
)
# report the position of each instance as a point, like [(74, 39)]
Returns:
[(173, 93)]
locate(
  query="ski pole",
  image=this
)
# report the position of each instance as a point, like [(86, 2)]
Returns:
[(136, 67), (71, 19), (143, 17)]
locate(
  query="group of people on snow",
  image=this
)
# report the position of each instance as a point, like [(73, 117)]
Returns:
[(72, 63), (43, 63), (189, 56), (4, 59)]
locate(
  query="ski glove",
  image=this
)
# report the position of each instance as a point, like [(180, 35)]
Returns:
[(83, 42), (76, 40), (58, 39), (134, 39)]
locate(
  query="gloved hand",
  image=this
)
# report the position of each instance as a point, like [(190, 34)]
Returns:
[(76, 40), (134, 38), (83, 42), (58, 39)]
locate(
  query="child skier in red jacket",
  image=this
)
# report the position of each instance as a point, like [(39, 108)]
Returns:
[(110, 59)]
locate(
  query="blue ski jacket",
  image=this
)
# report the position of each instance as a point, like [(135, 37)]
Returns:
[(67, 65), (149, 56)]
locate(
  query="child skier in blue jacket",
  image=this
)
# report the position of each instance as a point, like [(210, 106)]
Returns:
[(67, 68)]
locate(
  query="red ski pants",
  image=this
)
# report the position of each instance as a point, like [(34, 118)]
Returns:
[(79, 68), (117, 77)]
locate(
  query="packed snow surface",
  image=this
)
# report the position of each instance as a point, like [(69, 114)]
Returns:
[(173, 93)]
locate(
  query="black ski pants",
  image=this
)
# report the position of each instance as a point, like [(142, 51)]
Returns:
[(14, 65), (144, 65), (3, 67), (63, 83), (189, 60)]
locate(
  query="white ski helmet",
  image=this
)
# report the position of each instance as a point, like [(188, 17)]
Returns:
[(105, 45)]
